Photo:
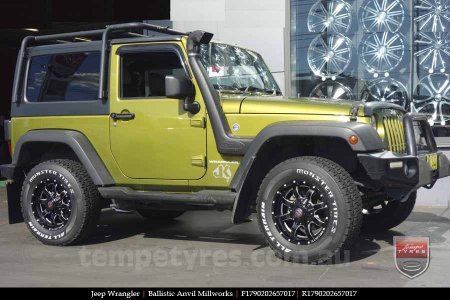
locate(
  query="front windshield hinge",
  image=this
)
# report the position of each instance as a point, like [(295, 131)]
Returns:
[(354, 112)]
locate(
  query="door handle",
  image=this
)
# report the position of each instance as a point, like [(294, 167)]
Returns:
[(122, 116)]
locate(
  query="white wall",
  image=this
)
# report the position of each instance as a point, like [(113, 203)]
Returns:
[(255, 24)]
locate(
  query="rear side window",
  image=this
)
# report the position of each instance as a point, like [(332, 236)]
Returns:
[(143, 74), (64, 77)]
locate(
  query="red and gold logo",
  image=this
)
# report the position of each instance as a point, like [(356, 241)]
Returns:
[(412, 255)]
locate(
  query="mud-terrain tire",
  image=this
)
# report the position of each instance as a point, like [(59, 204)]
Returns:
[(159, 215), (60, 203), (314, 193), (389, 216)]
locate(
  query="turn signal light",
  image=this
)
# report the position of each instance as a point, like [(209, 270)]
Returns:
[(353, 140)]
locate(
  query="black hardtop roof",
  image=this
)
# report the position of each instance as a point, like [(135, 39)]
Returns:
[(111, 33), (105, 36)]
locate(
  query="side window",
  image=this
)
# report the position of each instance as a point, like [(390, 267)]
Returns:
[(143, 75), (64, 77)]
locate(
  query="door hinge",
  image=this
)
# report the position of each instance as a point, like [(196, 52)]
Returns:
[(199, 161), (199, 122)]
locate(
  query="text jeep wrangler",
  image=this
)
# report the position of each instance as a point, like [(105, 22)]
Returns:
[(175, 122)]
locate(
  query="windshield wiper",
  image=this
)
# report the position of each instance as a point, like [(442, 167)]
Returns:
[(226, 88), (230, 91), (255, 89), (275, 92)]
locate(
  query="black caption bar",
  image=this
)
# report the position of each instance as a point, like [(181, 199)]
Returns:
[(229, 293)]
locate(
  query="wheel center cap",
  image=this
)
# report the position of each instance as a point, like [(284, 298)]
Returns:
[(330, 55), (330, 20), (50, 204), (298, 213), (382, 51)]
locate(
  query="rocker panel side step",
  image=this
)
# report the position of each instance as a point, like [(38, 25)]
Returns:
[(205, 199)]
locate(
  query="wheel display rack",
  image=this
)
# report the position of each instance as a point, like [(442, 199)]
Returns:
[(395, 51)]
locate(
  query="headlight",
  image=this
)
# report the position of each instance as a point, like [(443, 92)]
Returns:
[(373, 122)]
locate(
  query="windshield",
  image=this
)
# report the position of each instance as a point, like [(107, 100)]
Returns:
[(238, 70)]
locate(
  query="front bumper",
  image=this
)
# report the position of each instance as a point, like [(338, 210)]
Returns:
[(401, 173)]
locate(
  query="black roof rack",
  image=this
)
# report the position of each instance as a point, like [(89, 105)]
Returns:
[(105, 35)]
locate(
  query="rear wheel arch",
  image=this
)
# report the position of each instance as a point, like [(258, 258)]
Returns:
[(40, 145), (33, 152)]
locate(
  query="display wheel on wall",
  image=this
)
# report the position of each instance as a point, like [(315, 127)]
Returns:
[(382, 15), (329, 55), (385, 90), (382, 52), (331, 90), (432, 97), (433, 51), (327, 16), (433, 15)]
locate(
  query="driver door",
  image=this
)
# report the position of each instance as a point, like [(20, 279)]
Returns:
[(152, 136)]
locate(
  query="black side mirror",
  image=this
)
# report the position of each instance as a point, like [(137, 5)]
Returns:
[(181, 87)]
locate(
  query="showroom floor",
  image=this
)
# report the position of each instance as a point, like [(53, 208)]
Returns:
[(203, 249)]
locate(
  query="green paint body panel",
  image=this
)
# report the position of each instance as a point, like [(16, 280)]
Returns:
[(165, 148), (160, 142)]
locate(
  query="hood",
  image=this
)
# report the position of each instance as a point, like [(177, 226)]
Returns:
[(282, 105), (238, 104)]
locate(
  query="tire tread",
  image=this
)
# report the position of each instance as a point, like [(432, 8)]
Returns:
[(92, 203), (350, 194)]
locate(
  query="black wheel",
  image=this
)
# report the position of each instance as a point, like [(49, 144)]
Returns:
[(60, 203), (309, 209), (387, 215), (159, 214)]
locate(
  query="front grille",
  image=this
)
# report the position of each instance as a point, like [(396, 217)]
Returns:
[(394, 133)]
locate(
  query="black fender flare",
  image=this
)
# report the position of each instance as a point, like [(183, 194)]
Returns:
[(369, 140), (80, 145)]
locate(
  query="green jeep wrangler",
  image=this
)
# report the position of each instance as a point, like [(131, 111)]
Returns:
[(173, 122)]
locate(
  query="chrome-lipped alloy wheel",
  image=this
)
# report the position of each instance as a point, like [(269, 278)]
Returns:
[(382, 15), (300, 212), (329, 55), (433, 15), (382, 52), (332, 90), (385, 90), (51, 205), (335, 16), (432, 97), (433, 51)]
